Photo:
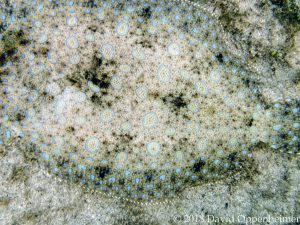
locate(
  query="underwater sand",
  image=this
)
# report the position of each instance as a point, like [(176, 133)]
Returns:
[(109, 107)]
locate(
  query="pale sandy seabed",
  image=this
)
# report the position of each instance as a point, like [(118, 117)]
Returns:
[(178, 113)]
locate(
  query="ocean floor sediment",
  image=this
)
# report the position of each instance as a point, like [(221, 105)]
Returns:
[(145, 112)]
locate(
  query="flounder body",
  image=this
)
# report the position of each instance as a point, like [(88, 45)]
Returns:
[(136, 99)]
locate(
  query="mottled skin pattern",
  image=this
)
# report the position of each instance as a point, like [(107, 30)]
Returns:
[(135, 100)]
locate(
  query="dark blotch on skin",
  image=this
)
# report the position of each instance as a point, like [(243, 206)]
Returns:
[(98, 62), (248, 82), (12, 40), (261, 145), (63, 162), (219, 56), (177, 102), (288, 11), (92, 28), (44, 51), (173, 178), (149, 176), (103, 82), (277, 2), (72, 80), (2, 27), (232, 157), (146, 13), (19, 173), (20, 116), (185, 26), (7, 3), (198, 166), (3, 58), (23, 13), (249, 122), (70, 129), (126, 138), (55, 4), (97, 74), (89, 4), (121, 181), (79, 175), (96, 99), (145, 43), (102, 171), (283, 136)]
